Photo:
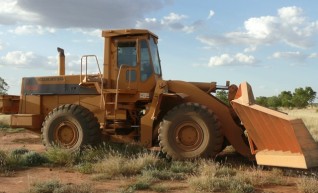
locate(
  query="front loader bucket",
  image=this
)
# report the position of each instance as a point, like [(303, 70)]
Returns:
[(274, 137)]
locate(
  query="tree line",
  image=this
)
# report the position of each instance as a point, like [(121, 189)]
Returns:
[(3, 86), (300, 98)]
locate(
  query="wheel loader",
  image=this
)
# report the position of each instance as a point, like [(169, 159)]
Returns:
[(128, 101)]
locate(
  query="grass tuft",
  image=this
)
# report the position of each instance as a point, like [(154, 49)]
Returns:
[(308, 185), (257, 177), (60, 157), (45, 187), (142, 182), (114, 166), (55, 186)]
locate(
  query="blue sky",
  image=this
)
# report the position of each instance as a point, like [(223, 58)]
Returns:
[(271, 44)]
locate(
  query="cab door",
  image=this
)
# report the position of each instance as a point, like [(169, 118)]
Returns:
[(127, 75), (135, 63)]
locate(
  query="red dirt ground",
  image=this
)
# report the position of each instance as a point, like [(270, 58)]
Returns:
[(22, 180)]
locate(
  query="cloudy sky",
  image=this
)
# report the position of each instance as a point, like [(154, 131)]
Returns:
[(271, 44)]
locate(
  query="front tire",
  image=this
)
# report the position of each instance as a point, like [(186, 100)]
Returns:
[(189, 131), (71, 127)]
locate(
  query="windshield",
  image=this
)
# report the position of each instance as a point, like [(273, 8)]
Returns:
[(155, 56)]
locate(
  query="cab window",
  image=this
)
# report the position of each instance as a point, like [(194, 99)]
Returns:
[(155, 56), (145, 61), (126, 53)]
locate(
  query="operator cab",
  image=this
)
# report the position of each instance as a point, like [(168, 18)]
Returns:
[(131, 60)]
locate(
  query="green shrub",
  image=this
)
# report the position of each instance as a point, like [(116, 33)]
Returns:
[(34, 159), (3, 157), (85, 168), (19, 151), (60, 157), (92, 154), (142, 182)]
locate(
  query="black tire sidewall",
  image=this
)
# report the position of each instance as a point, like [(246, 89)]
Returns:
[(202, 117), (57, 119), (87, 126)]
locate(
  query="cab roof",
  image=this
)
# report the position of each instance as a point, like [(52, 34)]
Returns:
[(124, 32)]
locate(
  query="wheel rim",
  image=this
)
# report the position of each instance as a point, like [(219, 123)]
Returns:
[(66, 134), (189, 136)]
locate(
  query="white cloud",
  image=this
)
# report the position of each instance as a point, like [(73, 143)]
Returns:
[(296, 56), (211, 14), (172, 21), (21, 59), (313, 55), (237, 59), (287, 54), (90, 32), (32, 29), (289, 26), (1, 46), (291, 15), (221, 60), (245, 59)]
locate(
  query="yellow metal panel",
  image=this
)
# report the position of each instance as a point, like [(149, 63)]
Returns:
[(31, 104), (30, 121)]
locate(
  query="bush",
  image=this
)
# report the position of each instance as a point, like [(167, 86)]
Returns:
[(60, 157), (34, 159), (20, 158)]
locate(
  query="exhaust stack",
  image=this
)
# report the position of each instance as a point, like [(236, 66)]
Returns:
[(61, 61)]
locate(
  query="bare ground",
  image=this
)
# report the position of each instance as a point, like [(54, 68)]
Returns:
[(22, 180)]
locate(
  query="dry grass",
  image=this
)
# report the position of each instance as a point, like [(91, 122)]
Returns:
[(309, 116), (258, 178), (57, 187), (117, 165), (308, 185)]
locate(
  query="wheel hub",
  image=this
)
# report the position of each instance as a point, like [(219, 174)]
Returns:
[(189, 136), (66, 134)]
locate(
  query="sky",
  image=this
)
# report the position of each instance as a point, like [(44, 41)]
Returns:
[(270, 44)]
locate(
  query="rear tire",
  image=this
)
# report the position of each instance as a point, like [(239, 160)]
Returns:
[(71, 127), (190, 131)]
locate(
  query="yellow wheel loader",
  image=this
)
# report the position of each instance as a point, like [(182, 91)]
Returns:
[(128, 101)]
